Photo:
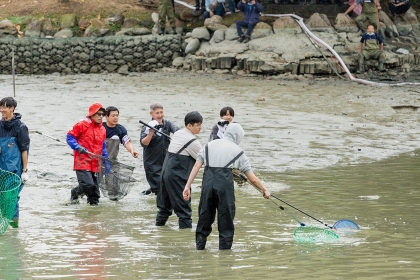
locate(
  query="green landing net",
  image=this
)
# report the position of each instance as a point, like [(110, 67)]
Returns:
[(9, 190), (314, 234)]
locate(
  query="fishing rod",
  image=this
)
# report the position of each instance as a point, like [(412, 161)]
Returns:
[(246, 179), (91, 154), (151, 127), (241, 176)]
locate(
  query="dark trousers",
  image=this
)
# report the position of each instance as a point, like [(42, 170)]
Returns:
[(197, 3), (220, 11), (87, 185), (249, 25), (398, 10)]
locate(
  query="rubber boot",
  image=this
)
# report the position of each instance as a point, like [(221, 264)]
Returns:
[(185, 223), (174, 30), (381, 66), (361, 26), (161, 31), (161, 220)]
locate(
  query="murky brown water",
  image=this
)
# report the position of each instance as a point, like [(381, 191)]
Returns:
[(334, 149)]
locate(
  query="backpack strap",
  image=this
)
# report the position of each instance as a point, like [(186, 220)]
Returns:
[(234, 159), (186, 145), (206, 148)]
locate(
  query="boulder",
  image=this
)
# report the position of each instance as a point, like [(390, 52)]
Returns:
[(7, 27), (83, 24), (97, 23), (231, 33), (124, 32), (65, 33), (130, 22), (186, 15), (141, 31), (344, 23), (192, 46), (201, 33), (261, 30), (213, 20), (33, 29), (319, 22), (214, 27), (68, 21), (218, 36), (404, 28), (410, 16), (178, 62), (123, 70), (117, 19), (47, 27), (390, 28), (286, 23)]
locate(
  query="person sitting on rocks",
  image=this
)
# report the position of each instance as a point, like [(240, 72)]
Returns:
[(251, 11), (214, 7), (371, 47), (370, 10), (398, 7)]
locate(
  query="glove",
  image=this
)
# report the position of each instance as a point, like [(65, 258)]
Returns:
[(152, 123), (82, 150), (107, 167), (24, 177)]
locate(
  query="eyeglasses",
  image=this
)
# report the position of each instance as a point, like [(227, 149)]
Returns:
[(100, 114)]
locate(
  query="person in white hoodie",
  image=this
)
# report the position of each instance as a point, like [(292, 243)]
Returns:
[(220, 157)]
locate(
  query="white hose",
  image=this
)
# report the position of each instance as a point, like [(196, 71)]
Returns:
[(299, 20)]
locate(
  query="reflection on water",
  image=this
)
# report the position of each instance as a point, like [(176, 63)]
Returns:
[(119, 240)]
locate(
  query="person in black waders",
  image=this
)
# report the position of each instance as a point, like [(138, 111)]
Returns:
[(179, 161), (115, 134), (155, 146), (219, 157)]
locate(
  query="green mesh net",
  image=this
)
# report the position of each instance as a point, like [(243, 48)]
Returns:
[(9, 190), (314, 234)]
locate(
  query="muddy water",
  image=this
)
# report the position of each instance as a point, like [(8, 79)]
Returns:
[(334, 149)]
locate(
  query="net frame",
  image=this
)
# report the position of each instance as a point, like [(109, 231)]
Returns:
[(116, 183), (346, 225), (9, 191), (314, 234)]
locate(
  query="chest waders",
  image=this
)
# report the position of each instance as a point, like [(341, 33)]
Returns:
[(175, 172), (217, 193), (153, 157), (111, 179), (11, 160), (371, 51), (370, 13)]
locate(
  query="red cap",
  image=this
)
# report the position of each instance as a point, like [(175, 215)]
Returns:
[(94, 108)]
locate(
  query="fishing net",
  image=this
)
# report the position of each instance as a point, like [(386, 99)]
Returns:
[(9, 190), (314, 234), (238, 177), (116, 183), (345, 224)]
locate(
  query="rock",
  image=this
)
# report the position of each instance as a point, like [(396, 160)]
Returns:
[(201, 33), (344, 23), (215, 27), (123, 70), (404, 28), (192, 46), (241, 73), (147, 23), (130, 22), (83, 24), (410, 16), (47, 27), (141, 31), (261, 30), (125, 32), (117, 19), (403, 51), (188, 35), (213, 20), (178, 62), (65, 33), (7, 27), (286, 23), (97, 23), (68, 21), (33, 29), (260, 98), (231, 33), (319, 22), (187, 16), (155, 17), (218, 36)]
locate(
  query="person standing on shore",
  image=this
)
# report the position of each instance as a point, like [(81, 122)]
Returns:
[(155, 145), (226, 117), (85, 138), (166, 9), (115, 134), (14, 145), (179, 161), (217, 193)]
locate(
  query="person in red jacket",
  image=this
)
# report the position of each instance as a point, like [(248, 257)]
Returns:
[(85, 138)]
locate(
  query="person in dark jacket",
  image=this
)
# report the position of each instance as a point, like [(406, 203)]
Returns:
[(14, 145), (398, 7), (87, 137), (155, 146), (251, 12), (226, 117), (179, 161), (371, 47)]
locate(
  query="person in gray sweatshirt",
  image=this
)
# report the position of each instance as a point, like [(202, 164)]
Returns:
[(220, 157)]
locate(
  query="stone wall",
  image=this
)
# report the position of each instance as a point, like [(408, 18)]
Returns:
[(89, 55)]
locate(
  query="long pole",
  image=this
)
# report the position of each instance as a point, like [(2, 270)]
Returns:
[(13, 72), (156, 130)]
